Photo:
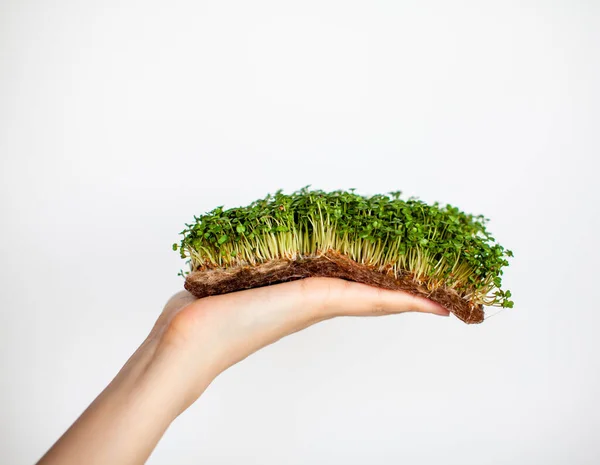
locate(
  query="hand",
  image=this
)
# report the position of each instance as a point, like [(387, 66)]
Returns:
[(192, 342), (209, 335)]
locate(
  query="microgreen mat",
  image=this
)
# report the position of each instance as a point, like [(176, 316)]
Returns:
[(438, 246)]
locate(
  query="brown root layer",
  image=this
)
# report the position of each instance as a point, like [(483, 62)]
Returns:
[(217, 281)]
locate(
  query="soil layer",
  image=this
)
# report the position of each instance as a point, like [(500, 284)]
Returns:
[(217, 281)]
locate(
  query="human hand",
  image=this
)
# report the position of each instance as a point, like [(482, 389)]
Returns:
[(193, 341), (206, 336)]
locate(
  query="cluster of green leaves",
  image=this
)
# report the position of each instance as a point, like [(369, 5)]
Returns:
[(439, 245)]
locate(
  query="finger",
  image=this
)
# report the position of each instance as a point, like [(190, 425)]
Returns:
[(356, 299)]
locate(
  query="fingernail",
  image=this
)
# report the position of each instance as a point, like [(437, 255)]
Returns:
[(437, 309)]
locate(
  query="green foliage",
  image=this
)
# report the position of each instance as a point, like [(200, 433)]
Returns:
[(438, 245)]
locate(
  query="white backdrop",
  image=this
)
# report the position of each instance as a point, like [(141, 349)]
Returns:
[(121, 120)]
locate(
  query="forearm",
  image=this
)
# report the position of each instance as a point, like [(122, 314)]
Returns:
[(126, 421)]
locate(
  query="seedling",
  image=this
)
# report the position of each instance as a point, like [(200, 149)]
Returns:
[(431, 250)]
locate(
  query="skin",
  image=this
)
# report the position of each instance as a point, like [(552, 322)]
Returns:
[(191, 343)]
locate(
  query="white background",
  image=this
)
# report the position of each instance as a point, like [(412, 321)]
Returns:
[(121, 120)]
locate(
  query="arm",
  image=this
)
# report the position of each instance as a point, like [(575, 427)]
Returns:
[(192, 342)]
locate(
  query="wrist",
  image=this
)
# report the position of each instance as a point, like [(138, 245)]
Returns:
[(174, 379)]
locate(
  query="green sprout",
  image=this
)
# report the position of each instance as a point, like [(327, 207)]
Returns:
[(439, 246)]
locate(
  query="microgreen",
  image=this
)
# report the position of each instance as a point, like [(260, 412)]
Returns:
[(440, 246)]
